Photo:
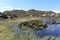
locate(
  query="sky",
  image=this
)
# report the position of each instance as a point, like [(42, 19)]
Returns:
[(45, 5)]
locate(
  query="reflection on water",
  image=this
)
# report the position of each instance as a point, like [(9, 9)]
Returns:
[(46, 19), (57, 20), (52, 30)]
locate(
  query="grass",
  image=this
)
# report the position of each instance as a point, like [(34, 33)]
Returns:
[(3, 28), (7, 32)]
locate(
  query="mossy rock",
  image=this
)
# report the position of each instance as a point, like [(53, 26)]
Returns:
[(34, 25)]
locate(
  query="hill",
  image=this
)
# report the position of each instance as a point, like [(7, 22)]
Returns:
[(30, 13)]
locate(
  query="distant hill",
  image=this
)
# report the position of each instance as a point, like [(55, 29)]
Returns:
[(30, 13)]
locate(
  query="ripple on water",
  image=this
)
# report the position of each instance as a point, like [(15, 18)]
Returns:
[(52, 30)]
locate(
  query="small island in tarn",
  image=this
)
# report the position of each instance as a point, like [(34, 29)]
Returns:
[(33, 25)]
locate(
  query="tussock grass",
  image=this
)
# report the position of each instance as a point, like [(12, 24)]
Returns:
[(9, 34)]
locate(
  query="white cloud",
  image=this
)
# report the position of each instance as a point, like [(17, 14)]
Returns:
[(5, 8), (10, 8), (56, 11)]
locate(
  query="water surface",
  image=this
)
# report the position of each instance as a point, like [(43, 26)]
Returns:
[(51, 30)]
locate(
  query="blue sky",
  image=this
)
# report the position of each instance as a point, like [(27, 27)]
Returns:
[(50, 5)]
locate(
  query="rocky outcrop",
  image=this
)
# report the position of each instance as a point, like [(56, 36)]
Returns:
[(34, 25)]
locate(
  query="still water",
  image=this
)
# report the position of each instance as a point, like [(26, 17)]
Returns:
[(51, 30)]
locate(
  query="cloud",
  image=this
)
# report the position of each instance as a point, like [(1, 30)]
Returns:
[(10, 8), (5, 8), (56, 11)]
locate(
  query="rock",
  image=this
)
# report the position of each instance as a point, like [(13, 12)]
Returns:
[(34, 25)]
